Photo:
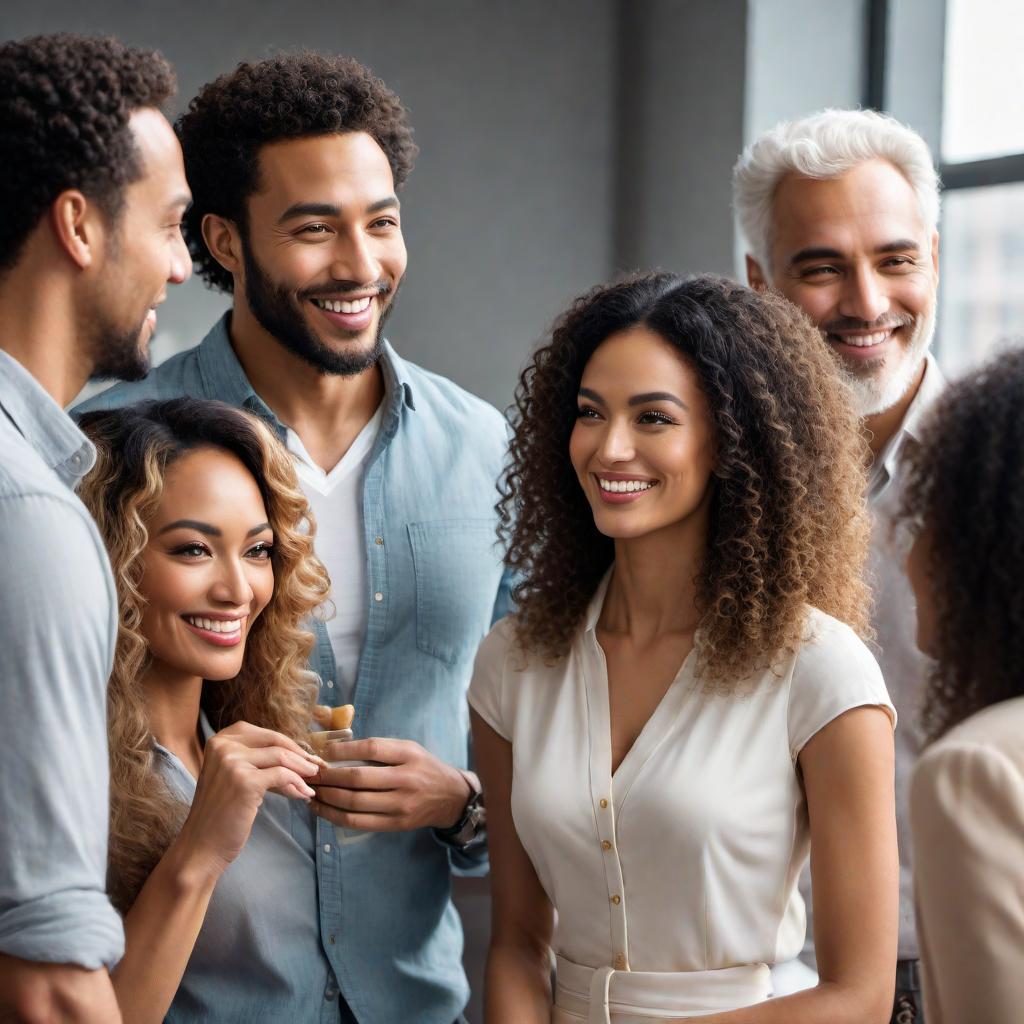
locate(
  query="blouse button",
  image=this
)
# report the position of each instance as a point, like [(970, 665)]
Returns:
[(616, 899), (378, 597), (605, 845), (604, 804), (379, 541)]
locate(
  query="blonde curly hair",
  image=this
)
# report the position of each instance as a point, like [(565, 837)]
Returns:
[(135, 447)]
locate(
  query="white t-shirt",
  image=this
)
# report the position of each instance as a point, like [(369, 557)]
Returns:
[(684, 862), (337, 502)]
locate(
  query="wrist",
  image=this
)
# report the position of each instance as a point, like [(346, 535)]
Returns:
[(470, 826), (190, 869), (462, 793)]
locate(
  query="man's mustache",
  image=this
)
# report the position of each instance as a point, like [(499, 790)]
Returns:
[(341, 288), (885, 323)]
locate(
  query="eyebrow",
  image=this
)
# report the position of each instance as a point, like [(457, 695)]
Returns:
[(649, 396), (824, 253), (207, 528), (332, 210)]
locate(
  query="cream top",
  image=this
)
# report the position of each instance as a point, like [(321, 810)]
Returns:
[(686, 859)]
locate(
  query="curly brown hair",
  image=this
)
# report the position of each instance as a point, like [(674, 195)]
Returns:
[(290, 96), (788, 522), (65, 101), (135, 447), (965, 484)]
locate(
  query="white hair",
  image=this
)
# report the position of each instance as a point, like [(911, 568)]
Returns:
[(826, 145)]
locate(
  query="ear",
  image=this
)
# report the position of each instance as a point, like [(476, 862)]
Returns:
[(79, 227), (755, 276), (935, 253), (223, 240)]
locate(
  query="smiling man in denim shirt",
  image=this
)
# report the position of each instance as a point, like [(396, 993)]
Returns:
[(294, 164)]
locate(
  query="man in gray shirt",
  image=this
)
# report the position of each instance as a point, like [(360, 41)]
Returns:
[(840, 211), (91, 198)]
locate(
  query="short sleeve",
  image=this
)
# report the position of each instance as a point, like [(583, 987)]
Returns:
[(833, 673), (486, 689)]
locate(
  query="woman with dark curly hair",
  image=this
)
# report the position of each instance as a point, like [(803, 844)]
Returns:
[(965, 495), (211, 545), (681, 705)]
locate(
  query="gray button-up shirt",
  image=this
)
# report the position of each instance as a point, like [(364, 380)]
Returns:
[(58, 628)]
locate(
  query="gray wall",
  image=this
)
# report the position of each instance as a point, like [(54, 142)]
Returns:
[(508, 214)]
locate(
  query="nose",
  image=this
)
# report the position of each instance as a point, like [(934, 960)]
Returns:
[(231, 585), (864, 296), (181, 262), (354, 259), (617, 444)]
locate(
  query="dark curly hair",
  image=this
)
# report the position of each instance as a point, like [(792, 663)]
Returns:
[(65, 101), (788, 523), (290, 96), (965, 484)]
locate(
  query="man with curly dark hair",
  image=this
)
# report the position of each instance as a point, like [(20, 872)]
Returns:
[(840, 214), (91, 198), (295, 163)]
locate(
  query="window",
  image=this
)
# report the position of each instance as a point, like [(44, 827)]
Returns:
[(952, 70)]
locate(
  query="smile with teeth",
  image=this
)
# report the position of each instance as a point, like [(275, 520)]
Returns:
[(625, 486), (341, 306), (226, 626), (865, 340)]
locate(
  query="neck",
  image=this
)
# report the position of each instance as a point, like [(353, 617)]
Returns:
[(39, 327), (653, 589), (882, 426), (327, 411), (172, 706)]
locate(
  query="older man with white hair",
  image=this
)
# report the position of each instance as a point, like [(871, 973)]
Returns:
[(839, 211)]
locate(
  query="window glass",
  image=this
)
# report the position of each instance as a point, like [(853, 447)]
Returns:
[(981, 296), (983, 99)]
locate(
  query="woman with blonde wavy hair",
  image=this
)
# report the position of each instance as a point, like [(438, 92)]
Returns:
[(682, 705), (211, 544)]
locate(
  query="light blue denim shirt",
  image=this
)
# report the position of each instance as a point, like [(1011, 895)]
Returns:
[(58, 628), (434, 586)]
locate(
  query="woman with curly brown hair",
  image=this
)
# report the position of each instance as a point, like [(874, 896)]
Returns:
[(965, 494), (681, 705), (211, 545)]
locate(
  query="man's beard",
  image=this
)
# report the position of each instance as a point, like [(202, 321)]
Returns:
[(875, 390), (117, 354), (279, 312)]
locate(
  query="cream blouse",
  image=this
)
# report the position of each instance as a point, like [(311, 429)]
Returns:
[(685, 861)]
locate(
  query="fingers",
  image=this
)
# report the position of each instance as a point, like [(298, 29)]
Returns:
[(284, 781), (387, 751), (377, 777), (364, 801), (306, 765), (365, 822), (255, 736)]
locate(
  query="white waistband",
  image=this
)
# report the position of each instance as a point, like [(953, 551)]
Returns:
[(594, 993)]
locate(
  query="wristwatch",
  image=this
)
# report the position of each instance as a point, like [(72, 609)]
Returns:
[(472, 826)]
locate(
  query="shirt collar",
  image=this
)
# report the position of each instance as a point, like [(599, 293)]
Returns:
[(224, 378), (43, 423), (597, 602), (887, 464)]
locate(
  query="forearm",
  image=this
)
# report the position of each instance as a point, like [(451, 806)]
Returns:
[(831, 1001), (517, 985), (160, 933), (40, 993)]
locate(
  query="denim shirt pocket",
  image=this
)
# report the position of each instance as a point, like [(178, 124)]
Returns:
[(457, 573)]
